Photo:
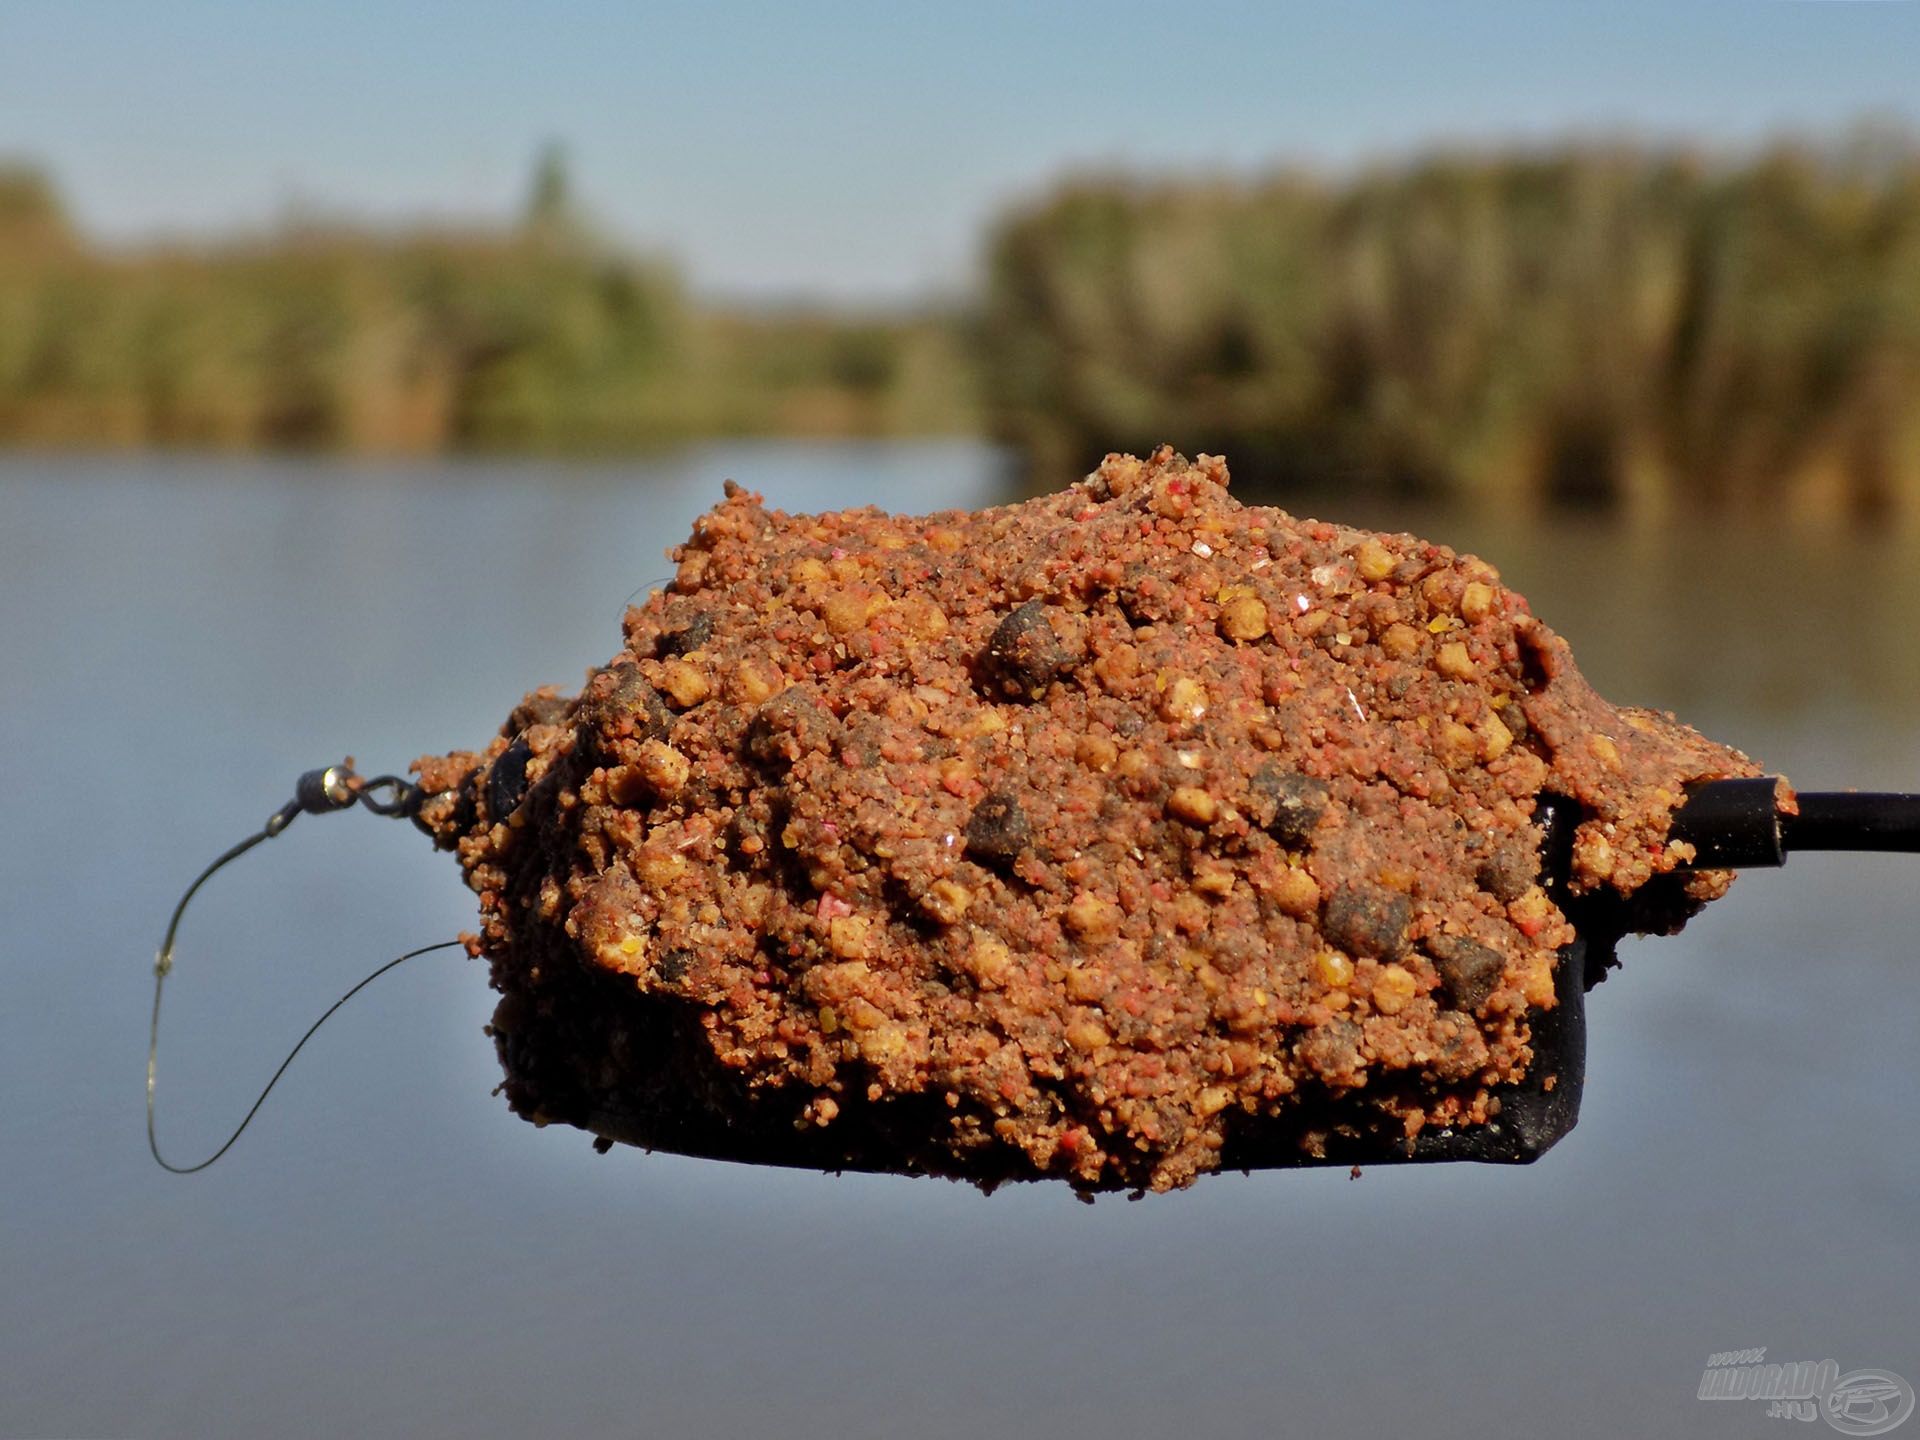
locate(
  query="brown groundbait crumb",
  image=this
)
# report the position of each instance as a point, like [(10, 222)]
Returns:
[(1059, 839)]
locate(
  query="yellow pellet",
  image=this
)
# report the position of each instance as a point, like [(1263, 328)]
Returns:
[(1334, 969), (1372, 560), (883, 1041), (1184, 699), (1089, 916), (753, 682), (924, 619), (1495, 738), (1536, 978), (848, 936), (1086, 1036), (947, 901), (664, 768), (1597, 857), (1298, 894), (1213, 877), (628, 955), (987, 720), (1442, 589), (1453, 661), (1084, 986), (1532, 908), (657, 866), (1096, 752), (1193, 804), (988, 960), (1393, 989), (1401, 642), (845, 611), (686, 684), (1458, 744), (1244, 617)]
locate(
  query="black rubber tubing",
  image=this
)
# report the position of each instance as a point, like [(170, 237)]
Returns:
[(1735, 823)]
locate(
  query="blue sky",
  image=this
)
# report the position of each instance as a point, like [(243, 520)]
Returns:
[(853, 150)]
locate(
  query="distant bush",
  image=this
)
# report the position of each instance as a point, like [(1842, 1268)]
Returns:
[(32, 220), (535, 337), (1597, 323)]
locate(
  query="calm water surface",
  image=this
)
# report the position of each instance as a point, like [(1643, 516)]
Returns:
[(391, 1251)]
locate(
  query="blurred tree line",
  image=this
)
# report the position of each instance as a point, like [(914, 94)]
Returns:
[(1596, 324), (536, 336), (1589, 323)]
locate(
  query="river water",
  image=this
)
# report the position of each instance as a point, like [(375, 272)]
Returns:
[(391, 1251)]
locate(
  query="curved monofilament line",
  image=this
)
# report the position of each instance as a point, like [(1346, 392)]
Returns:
[(153, 1047), (373, 795)]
